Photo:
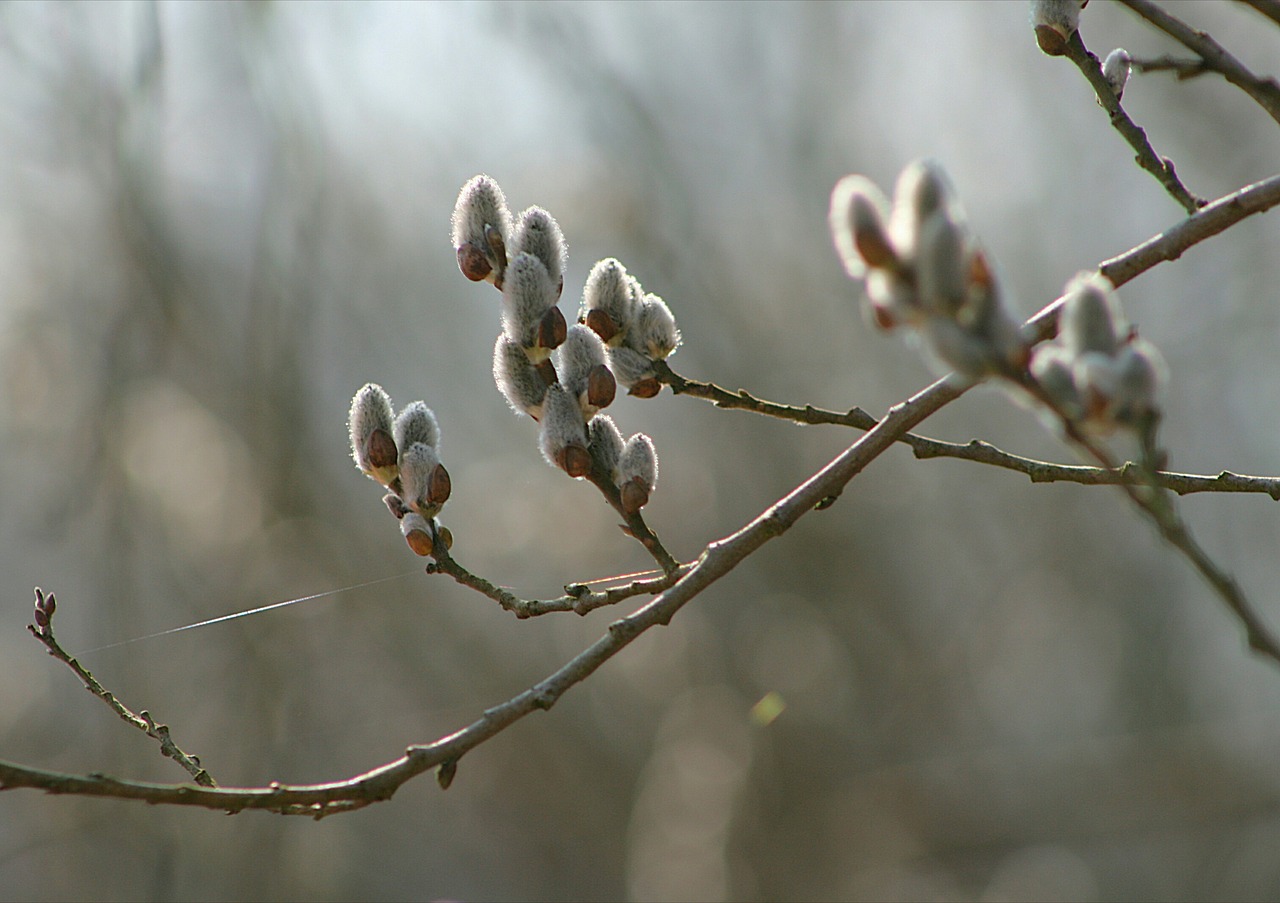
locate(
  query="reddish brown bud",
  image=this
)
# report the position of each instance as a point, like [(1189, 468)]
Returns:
[(474, 263), (395, 504), (646, 388), (1051, 40), (420, 542), (439, 486), (446, 537), (552, 329), (601, 324), (381, 449), (602, 388), (634, 495), (574, 460), (547, 371), (42, 618)]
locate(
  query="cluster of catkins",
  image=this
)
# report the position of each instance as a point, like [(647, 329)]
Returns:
[(403, 454), (1098, 372), (563, 374), (925, 270)]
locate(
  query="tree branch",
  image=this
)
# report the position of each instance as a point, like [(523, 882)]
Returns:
[(1268, 8), (1264, 91), (42, 630), (1147, 158), (717, 559)]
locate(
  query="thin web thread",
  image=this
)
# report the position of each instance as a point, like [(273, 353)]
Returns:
[(251, 611)]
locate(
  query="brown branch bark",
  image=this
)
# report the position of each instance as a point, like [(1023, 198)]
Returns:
[(1264, 91)]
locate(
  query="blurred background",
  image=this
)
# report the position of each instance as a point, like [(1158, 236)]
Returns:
[(218, 220)]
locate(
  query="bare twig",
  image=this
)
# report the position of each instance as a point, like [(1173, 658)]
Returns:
[(975, 450), (42, 630), (578, 598), (1160, 167), (1264, 91), (1170, 244), (1183, 69)]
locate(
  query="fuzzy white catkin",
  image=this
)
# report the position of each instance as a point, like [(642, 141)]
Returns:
[(630, 366), (858, 208), (639, 460), (1063, 16), (605, 443), (538, 233), (611, 289), (480, 203), (942, 264), (527, 295), (517, 379), (655, 332), (577, 356), (370, 410), (1116, 68), (562, 424), (417, 423), (922, 188), (1090, 319), (417, 465)]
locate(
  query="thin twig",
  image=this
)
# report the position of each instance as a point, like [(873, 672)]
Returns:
[(1147, 158), (1183, 69), (975, 450), (142, 721), (1156, 505), (579, 598), (1264, 91)]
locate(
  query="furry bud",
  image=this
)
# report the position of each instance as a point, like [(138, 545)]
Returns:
[(1055, 21), (605, 442), (563, 438), (637, 472), (417, 533), (372, 444), (424, 482), (1051, 366), (611, 290), (1116, 68), (417, 423), (654, 333), (635, 371), (1142, 375), (527, 297), (942, 270), (481, 225), (537, 233), (582, 370), (858, 216), (922, 188), (1090, 318), (518, 380)]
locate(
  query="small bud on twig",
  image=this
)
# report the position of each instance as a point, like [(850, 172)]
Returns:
[(370, 425), (481, 222), (537, 233)]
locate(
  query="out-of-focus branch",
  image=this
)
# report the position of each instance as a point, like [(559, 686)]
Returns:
[(1207, 222), (42, 630), (1268, 8), (1264, 91), (1147, 158)]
